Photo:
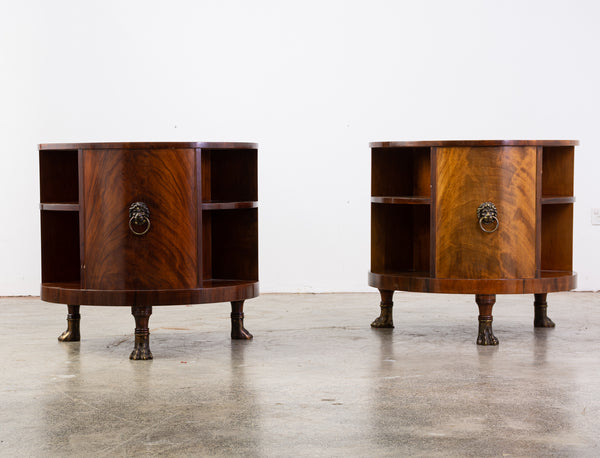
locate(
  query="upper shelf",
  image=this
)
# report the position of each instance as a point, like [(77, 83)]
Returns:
[(401, 200), (147, 145), (62, 207), (228, 205)]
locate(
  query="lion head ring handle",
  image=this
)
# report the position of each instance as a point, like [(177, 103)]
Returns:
[(139, 217), (488, 217)]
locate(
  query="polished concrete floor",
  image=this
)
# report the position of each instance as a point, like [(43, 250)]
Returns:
[(316, 380)]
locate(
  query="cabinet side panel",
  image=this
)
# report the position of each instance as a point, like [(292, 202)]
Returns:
[(164, 257), (467, 177)]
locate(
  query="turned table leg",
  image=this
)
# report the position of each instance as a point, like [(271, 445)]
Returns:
[(238, 331), (485, 302), (141, 348), (385, 319), (73, 318), (540, 306)]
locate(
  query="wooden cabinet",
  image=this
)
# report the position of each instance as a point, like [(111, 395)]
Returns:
[(143, 224), (476, 217)]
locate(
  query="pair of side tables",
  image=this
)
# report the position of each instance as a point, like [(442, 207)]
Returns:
[(145, 224)]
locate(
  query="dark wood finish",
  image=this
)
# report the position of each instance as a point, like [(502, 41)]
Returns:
[(426, 237), (465, 143), (468, 177), (201, 245), (73, 207), (115, 258)]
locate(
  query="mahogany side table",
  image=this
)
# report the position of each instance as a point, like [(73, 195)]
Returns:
[(472, 217), (145, 224)]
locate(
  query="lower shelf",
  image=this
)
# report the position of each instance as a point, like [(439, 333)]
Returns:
[(549, 281), (213, 290)]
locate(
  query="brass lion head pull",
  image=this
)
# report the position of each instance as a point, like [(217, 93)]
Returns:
[(139, 215), (488, 217)]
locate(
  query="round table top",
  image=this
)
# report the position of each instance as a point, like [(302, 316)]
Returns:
[(466, 143), (147, 145)]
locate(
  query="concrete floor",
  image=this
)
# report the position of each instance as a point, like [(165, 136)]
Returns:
[(315, 381)]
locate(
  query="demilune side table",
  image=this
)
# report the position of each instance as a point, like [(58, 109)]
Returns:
[(472, 217), (144, 224)]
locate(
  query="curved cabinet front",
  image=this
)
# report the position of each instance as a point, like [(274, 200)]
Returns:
[(115, 257), (467, 178)]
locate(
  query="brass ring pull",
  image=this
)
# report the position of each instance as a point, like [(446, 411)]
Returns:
[(139, 215), (488, 214)]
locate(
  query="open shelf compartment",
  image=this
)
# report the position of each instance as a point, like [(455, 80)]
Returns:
[(60, 247), (229, 175), (230, 245), (557, 238), (59, 176), (400, 239), (401, 172), (557, 172)]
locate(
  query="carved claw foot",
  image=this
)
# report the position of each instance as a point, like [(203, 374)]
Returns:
[(72, 333), (541, 319), (141, 350), (486, 335), (238, 331), (385, 319)]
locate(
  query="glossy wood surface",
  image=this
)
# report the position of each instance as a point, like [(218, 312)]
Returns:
[(145, 145), (530, 181), (90, 256), (465, 143), (209, 292), (549, 281), (466, 178), (163, 258)]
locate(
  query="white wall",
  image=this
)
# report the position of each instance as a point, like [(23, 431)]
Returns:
[(312, 82)]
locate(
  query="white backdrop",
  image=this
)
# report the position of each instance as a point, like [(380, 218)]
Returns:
[(312, 82)]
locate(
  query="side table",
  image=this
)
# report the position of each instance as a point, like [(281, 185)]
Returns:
[(145, 224), (472, 217)]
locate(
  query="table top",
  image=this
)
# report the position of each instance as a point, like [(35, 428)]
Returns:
[(442, 143), (147, 145)]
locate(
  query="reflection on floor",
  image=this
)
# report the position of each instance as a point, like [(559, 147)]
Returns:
[(315, 381)]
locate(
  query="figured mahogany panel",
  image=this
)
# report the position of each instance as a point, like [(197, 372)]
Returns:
[(166, 256), (468, 177)]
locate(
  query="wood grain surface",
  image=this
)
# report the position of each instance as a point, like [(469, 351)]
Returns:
[(467, 177), (115, 258)]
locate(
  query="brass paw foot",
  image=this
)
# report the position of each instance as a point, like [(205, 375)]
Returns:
[(73, 319), (384, 320), (543, 322), (238, 331), (486, 335), (70, 335), (141, 351)]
